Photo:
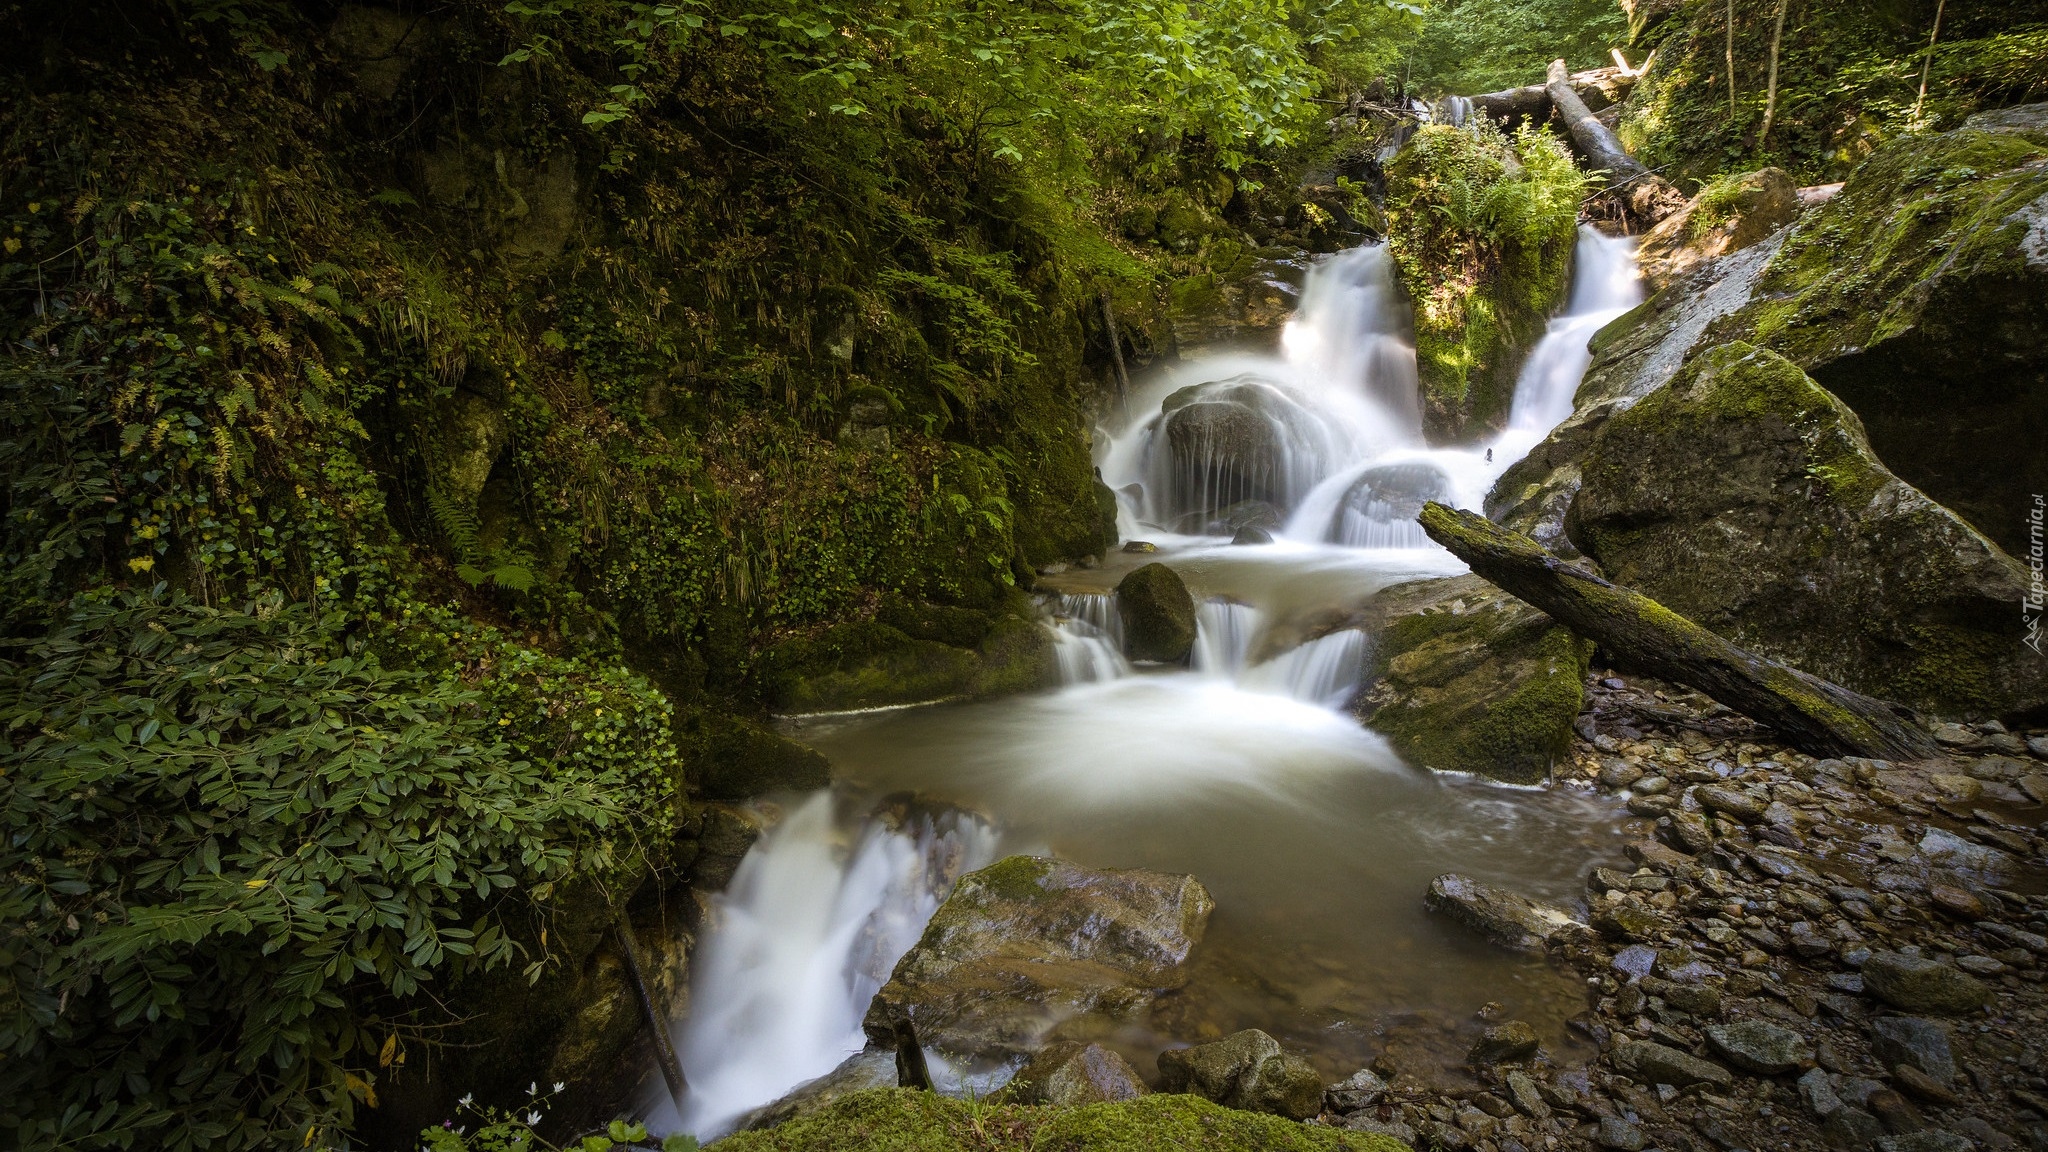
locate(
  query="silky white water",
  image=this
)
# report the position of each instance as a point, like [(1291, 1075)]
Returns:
[(1242, 768)]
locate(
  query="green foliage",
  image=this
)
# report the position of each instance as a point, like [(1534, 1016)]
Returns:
[(501, 1129), (236, 840), (1482, 230), (1028, 77), (1472, 46), (1848, 80)]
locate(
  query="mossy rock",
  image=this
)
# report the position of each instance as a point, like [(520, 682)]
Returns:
[(1031, 941), (1728, 215), (1919, 296), (903, 1120), (872, 664), (1745, 497), (1244, 301), (1483, 284), (1466, 678), (742, 760), (1158, 614)]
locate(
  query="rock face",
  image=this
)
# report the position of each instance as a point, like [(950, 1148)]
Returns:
[(1727, 216), (909, 657), (1920, 985), (1158, 614), (1467, 678), (1068, 1072), (1245, 1070), (1919, 295), (1504, 917), (1030, 941), (1745, 497)]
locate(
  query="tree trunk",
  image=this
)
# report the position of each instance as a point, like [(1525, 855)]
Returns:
[(1731, 61), (1532, 102), (1927, 65), (1817, 717), (1771, 85), (1648, 197)]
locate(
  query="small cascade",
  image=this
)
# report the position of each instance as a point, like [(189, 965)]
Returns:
[(1605, 284), (1223, 636), (809, 930), (1087, 637), (1324, 671)]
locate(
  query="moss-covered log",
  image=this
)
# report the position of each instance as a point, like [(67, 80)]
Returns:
[(1815, 716)]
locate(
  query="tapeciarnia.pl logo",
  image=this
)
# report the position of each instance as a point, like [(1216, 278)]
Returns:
[(2037, 588)]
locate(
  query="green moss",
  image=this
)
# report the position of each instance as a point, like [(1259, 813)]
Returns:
[(1012, 877), (1482, 231), (909, 1121)]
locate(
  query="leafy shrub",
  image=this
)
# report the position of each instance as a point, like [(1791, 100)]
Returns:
[(235, 845)]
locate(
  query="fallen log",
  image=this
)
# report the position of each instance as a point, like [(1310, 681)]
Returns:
[(1815, 716), (1597, 89), (1649, 197)]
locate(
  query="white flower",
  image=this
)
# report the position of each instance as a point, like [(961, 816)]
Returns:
[(466, 1098), (559, 1085), (533, 1089), (532, 1118)]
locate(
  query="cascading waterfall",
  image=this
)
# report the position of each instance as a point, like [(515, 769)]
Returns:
[(1323, 443), (808, 931)]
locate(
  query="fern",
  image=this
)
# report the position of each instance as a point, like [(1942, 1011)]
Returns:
[(475, 564)]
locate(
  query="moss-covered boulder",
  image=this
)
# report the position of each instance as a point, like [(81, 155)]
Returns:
[(743, 759), (909, 653), (1919, 295), (902, 1120), (1745, 497), (1242, 301), (1031, 941), (1245, 1070), (1727, 215), (1482, 232), (1158, 614), (1071, 1072), (1466, 678)]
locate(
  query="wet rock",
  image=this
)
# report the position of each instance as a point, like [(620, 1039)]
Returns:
[(1851, 1129), (1467, 678), (1505, 917), (1687, 832), (1068, 1072), (1239, 437), (1956, 901), (1501, 1043), (1654, 1063), (1915, 1043), (1627, 921), (1616, 773), (1745, 497), (1928, 1140), (1619, 1134), (1361, 1089), (1527, 1096), (870, 1068), (1702, 1000), (1252, 534), (1635, 961), (1029, 941), (1245, 1070), (1957, 736), (1158, 614), (1759, 1047), (1734, 802), (1921, 1086), (1807, 941), (1956, 789), (1921, 985), (745, 759), (1818, 1093)]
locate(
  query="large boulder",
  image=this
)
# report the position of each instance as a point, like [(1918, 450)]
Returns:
[(1243, 301), (1919, 295), (909, 658), (1030, 941), (1917, 984), (1379, 509), (1158, 614), (1466, 678), (1745, 497), (1229, 441), (1245, 1070)]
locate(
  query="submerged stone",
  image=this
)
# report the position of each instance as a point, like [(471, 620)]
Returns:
[(1030, 941), (1504, 917)]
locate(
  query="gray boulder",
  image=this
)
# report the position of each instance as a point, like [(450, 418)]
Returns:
[(868, 1068), (1030, 941), (1759, 1047), (1654, 1063), (1914, 1042), (1916, 984), (1245, 1070)]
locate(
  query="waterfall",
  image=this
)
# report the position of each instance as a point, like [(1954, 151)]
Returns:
[(1223, 635), (808, 931), (1605, 284), (1087, 637), (1324, 671)]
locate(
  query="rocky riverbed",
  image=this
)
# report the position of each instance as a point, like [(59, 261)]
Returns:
[(1796, 953)]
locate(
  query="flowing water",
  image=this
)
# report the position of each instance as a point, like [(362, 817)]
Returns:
[(1242, 768)]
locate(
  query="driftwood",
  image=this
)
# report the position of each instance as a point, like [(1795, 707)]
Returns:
[(1817, 717)]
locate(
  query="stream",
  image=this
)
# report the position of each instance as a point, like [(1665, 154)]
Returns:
[(1242, 768)]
